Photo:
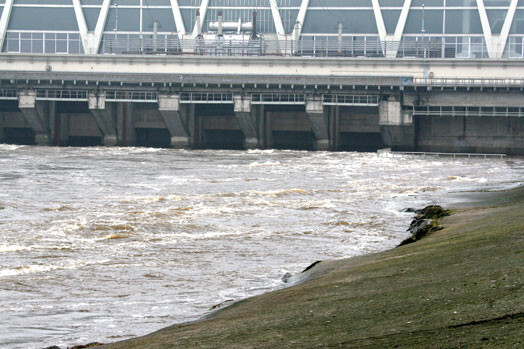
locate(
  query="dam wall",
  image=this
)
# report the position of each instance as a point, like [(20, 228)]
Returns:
[(390, 123), (313, 104)]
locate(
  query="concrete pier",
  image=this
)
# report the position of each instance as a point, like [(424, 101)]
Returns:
[(246, 120), (319, 122), (36, 115), (396, 125), (104, 115), (175, 120)]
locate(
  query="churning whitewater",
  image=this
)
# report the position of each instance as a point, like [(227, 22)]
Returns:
[(102, 244)]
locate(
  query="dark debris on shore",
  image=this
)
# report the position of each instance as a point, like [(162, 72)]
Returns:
[(424, 223)]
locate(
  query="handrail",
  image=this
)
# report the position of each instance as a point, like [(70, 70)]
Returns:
[(467, 82)]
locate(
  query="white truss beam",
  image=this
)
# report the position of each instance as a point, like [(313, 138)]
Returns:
[(496, 43), (91, 40), (203, 11), (100, 26), (504, 33), (4, 21), (401, 24), (279, 27), (179, 21), (391, 42), (82, 25), (486, 29), (381, 27), (301, 17)]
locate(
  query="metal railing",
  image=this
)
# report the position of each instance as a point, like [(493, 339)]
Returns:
[(351, 100), (278, 98), (467, 82), (62, 95), (205, 98), (321, 46), (132, 96), (8, 94), (468, 111)]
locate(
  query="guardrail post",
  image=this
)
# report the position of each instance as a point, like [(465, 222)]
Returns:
[(105, 117), (37, 116)]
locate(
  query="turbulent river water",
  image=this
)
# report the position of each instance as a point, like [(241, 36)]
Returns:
[(101, 244)]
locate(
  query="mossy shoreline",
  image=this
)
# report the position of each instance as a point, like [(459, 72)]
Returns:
[(460, 286)]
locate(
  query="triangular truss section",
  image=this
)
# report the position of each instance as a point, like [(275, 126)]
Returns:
[(496, 43), (391, 42), (91, 39), (4, 21)]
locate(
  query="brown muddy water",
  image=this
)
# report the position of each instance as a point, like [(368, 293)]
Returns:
[(102, 244)]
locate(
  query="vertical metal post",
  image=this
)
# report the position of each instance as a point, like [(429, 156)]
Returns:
[(115, 44), (296, 37), (339, 38), (254, 34), (424, 44), (220, 19), (198, 24), (155, 36)]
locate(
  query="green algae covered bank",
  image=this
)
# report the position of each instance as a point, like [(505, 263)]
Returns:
[(461, 286)]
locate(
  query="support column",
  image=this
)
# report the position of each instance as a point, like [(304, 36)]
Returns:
[(246, 120), (2, 137), (319, 122), (36, 115), (104, 115), (334, 127), (265, 127), (195, 126), (62, 133), (396, 125), (53, 122), (176, 123), (125, 124)]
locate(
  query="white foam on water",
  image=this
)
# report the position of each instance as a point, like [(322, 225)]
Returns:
[(13, 248)]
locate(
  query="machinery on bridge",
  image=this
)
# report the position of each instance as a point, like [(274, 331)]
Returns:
[(229, 38)]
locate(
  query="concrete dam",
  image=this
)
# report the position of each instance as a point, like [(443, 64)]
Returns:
[(270, 102)]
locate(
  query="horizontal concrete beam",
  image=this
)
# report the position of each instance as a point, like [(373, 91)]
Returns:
[(264, 66)]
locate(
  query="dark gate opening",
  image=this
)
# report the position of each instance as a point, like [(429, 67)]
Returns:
[(293, 140), (19, 136), (365, 142), (153, 137), (84, 141), (223, 139)]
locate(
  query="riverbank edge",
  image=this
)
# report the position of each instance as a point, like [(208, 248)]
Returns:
[(242, 323)]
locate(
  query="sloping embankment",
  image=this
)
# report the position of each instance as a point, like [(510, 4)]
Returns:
[(462, 286)]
